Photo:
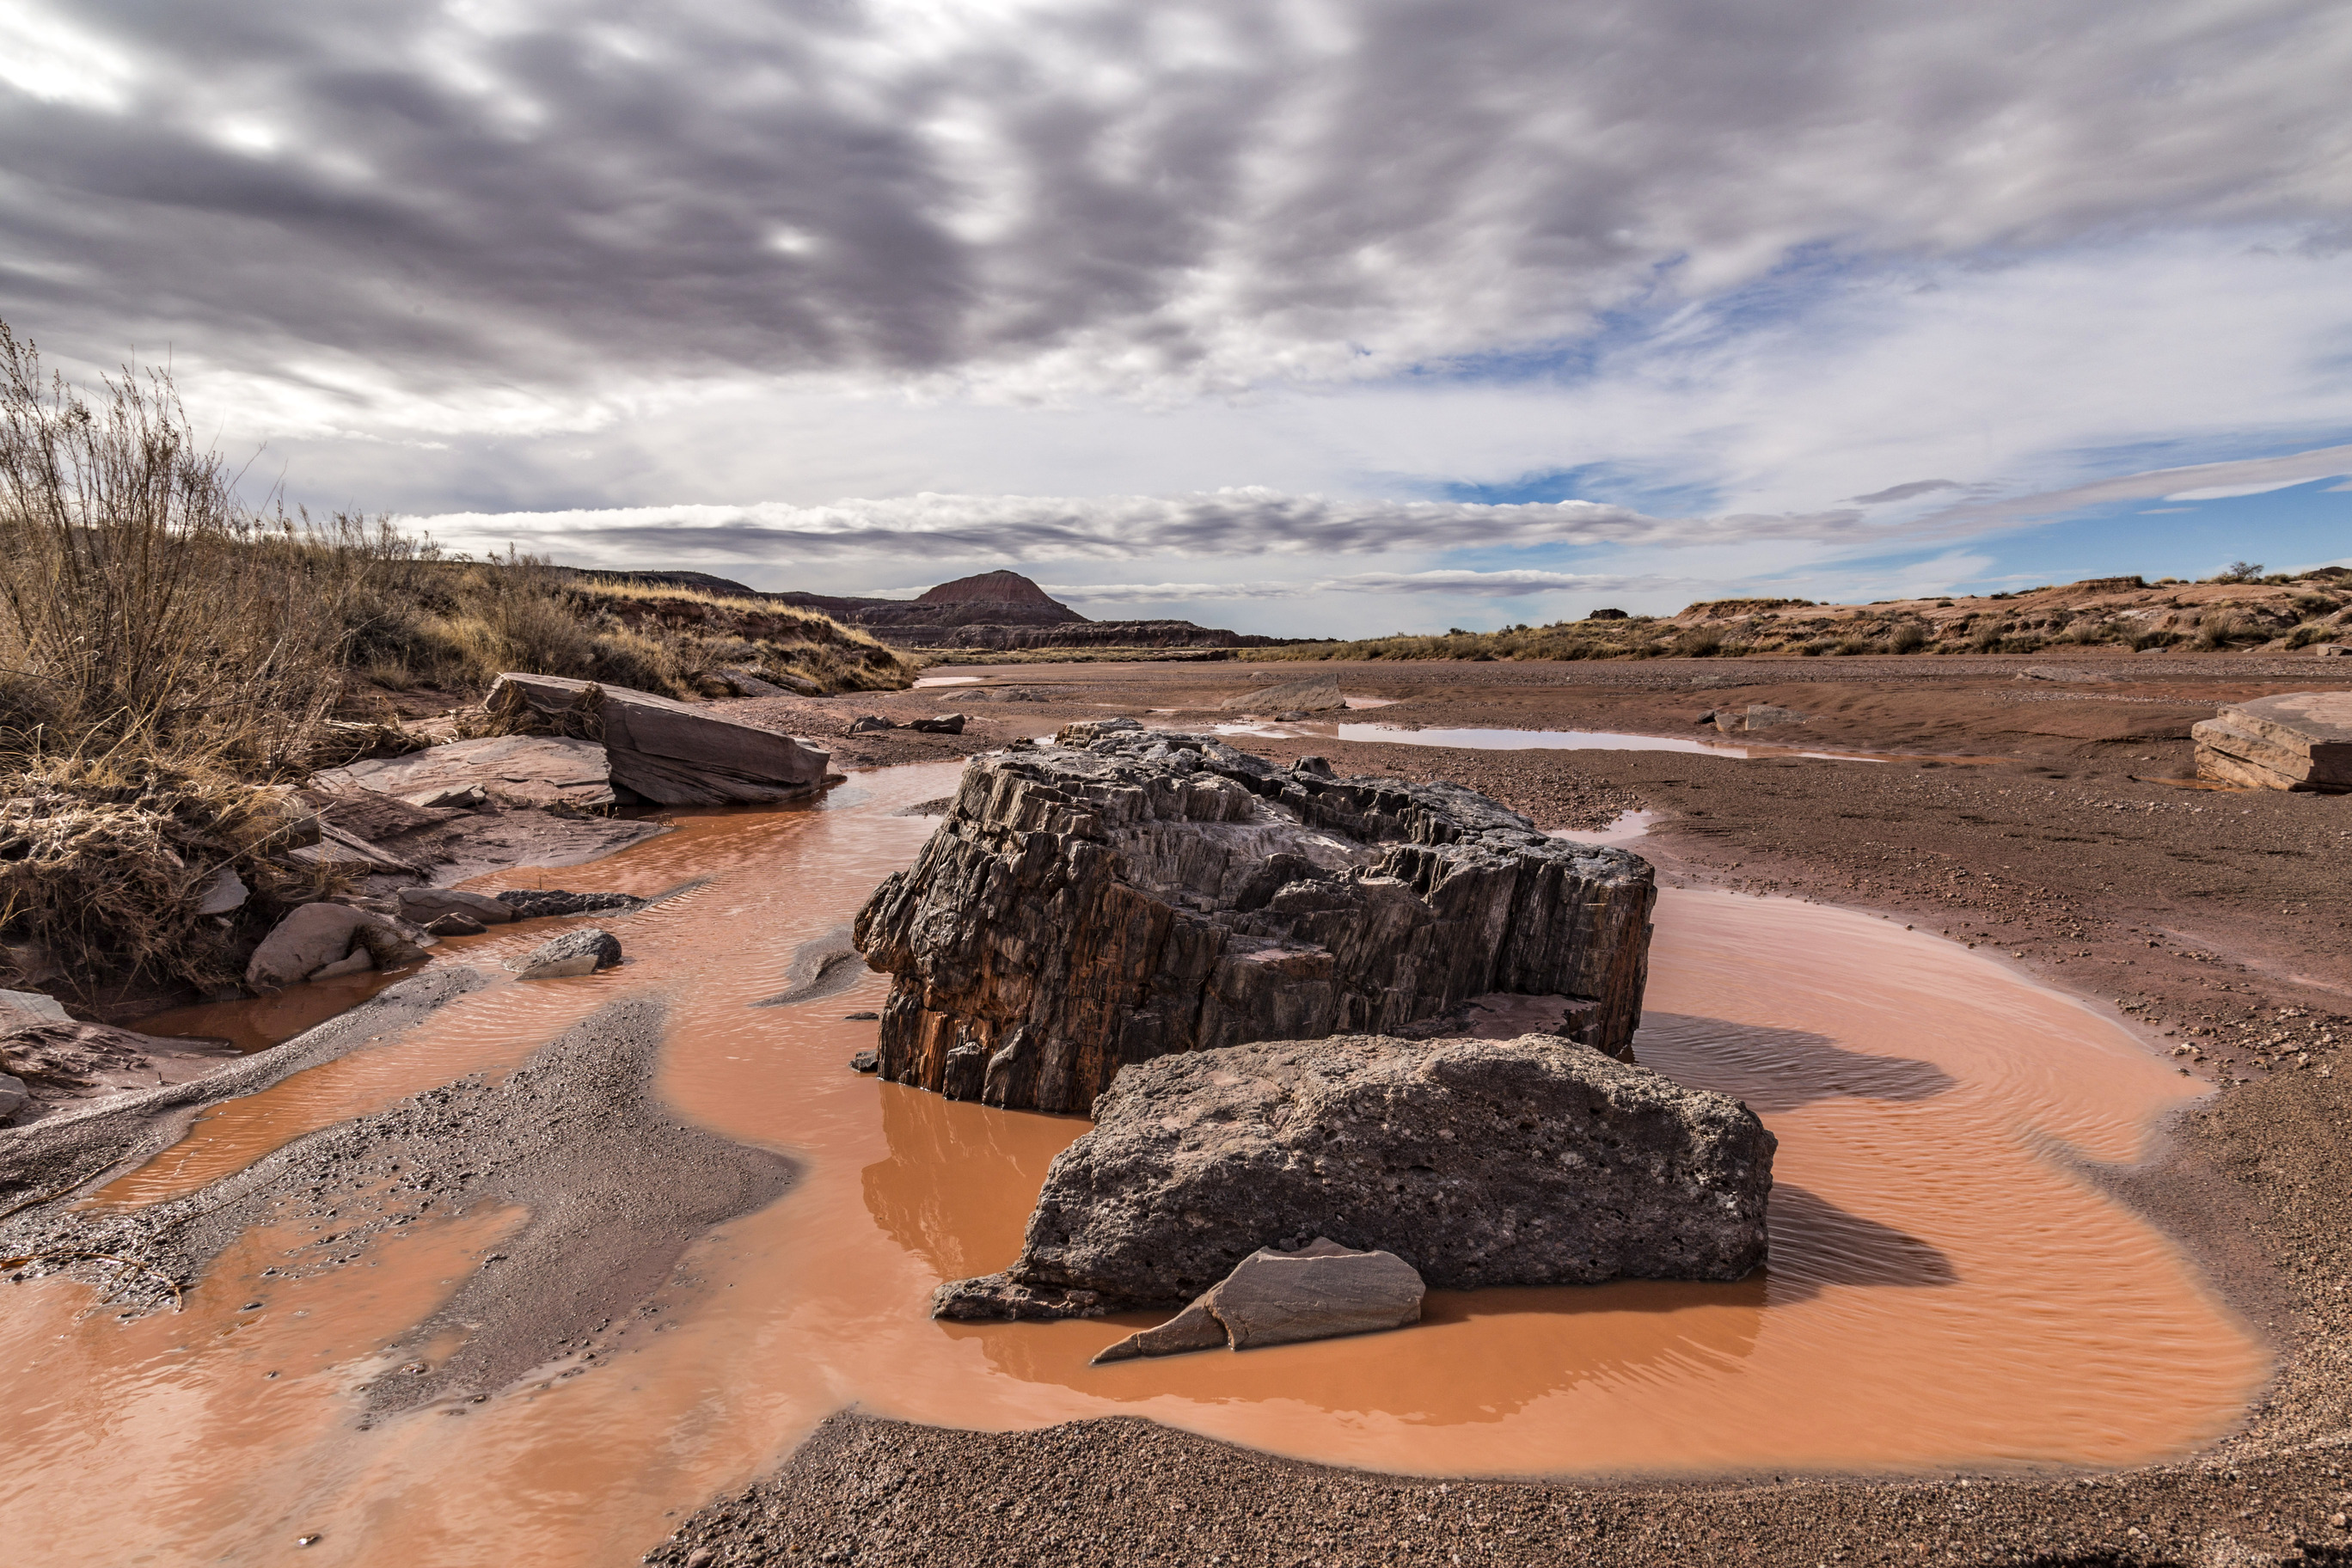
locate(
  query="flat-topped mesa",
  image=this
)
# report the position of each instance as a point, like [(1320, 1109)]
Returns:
[(1127, 893)]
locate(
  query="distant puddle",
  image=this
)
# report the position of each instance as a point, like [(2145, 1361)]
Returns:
[(1552, 740), (1944, 1289)]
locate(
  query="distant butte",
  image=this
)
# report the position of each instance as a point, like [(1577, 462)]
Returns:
[(996, 588)]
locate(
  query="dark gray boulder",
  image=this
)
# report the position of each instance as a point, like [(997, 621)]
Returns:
[(1129, 893), (1479, 1162)]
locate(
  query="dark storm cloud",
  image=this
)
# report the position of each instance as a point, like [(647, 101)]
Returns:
[(1072, 193)]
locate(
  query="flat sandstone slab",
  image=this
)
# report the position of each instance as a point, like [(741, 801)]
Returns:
[(2299, 740)]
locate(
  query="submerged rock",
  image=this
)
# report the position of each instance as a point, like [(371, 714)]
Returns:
[(1478, 1163), (1133, 893), (425, 905), (2301, 742), (544, 903), (1321, 1291), (581, 951)]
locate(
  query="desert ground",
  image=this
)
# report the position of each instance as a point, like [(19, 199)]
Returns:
[(2041, 810)]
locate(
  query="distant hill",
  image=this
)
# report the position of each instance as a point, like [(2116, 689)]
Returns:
[(997, 611)]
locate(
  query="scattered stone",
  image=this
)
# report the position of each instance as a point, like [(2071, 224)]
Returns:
[(451, 798), (866, 1061), (945, 724), (859, 1017), (521, 770), (455, 924), (2301, 742), (2066, 673), (867, 723), (581, 951), (667, 752), (425, 905), (13, 1096), (20, 1008), (542, 903), (1477, 1163), (1319, 695), (224, 894), (1079, 910), (319, 936), (1321, 1291), (2331, 650)]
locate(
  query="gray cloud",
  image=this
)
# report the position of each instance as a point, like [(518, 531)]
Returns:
[(1509, 585), (1904, 492), (1059, 195), (1016, 529)]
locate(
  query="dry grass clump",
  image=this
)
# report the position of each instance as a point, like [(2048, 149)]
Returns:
[(104, 863)]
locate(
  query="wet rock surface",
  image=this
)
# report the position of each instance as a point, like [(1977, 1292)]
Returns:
[(1478, 1163), (1321, 1291), (323, 940), (1136, 893), (544, 903)]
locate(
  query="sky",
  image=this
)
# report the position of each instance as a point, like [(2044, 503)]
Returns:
[(1292, 316)]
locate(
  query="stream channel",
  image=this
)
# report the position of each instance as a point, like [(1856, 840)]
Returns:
[(1947, 1288)]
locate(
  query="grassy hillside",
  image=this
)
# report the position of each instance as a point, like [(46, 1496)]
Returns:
[(2243, 612)]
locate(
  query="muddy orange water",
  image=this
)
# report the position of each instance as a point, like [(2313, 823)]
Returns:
[(1945, 1288)]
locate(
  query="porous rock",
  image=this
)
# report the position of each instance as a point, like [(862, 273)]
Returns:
[(1478, 1163), (581, 951), (425, 905), (542, 903), (667, 751), (1130, 894), (2301, 742), (1321, 1291)]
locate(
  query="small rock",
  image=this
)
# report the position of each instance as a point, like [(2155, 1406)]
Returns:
[(1321, 1291), (224, 894), (541, 903), (866, 723), (357, 962), (945, 724), (425, 905), (581, 951), (451, 798), (859, 1017), (13, 1094), (866, 1061), (455, 924), (319, 936)]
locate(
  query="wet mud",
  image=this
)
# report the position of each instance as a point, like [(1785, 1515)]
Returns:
[(622, 1302)]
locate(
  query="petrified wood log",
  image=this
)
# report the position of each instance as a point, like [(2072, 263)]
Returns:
[(2301, 741), (1479, 1162), (1138, 893)]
